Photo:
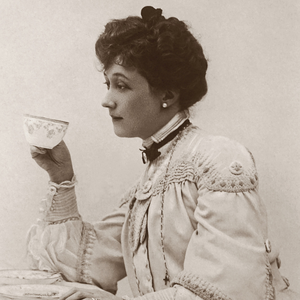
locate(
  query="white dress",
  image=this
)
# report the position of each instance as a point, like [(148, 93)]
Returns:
[(195, 215)]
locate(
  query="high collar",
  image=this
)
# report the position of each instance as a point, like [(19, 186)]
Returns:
[(172, 125)]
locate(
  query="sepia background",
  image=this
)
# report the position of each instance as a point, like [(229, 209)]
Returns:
[(48, 67)]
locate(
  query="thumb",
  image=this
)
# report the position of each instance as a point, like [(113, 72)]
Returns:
[(35, 151)]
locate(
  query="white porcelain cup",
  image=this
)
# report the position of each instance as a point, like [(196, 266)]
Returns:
[(44, 132)]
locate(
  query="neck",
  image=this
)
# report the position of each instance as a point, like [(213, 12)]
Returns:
[(165, 117), (166, 129)]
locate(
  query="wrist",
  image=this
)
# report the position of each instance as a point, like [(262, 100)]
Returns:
[(60, 177)]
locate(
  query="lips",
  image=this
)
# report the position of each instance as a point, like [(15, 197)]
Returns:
[(116, 117)]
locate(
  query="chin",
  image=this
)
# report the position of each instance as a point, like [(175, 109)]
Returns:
[(123, 133)]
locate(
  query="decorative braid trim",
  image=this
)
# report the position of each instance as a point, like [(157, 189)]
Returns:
[(88, 237), (201, 171), (270, 292), (64, 221), (213, 180), (198, 286)]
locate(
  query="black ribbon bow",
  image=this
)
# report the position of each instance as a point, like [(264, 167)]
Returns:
[(151, 153)]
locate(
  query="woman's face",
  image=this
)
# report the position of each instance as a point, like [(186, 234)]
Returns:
[(135, 110)]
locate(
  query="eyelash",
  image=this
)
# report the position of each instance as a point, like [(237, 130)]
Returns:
[(118, 85)]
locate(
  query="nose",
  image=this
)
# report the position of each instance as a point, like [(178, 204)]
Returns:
[(108, 101)]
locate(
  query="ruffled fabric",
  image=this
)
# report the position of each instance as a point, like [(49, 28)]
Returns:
[(51, 248)]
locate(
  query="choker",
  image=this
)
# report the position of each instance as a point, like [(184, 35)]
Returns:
[(151, 153)]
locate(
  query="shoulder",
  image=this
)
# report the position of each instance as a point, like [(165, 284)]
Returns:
[(221, 164), (222, 150)]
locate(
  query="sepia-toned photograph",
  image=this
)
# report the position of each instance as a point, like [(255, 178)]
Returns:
[(150, 150)]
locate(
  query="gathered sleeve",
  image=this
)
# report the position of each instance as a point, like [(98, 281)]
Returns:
[(62, 242), (226, 257)]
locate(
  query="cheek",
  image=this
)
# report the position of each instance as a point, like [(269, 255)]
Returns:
[(136, 105), (149, 104), (142, 107)]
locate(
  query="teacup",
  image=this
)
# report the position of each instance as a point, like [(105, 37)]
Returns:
[(44, 132)]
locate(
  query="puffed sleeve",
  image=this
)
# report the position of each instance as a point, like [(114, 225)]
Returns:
[(226, 256), (82, 252)]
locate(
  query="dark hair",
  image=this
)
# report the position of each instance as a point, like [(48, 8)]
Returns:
[(163, 50)]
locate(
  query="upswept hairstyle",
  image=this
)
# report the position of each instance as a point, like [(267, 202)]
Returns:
[(162, 50)]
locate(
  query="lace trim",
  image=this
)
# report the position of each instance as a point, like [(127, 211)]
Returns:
[(198, 286), (64, 184), (214, 181), (270, 292), (201, 171), (88, 237)]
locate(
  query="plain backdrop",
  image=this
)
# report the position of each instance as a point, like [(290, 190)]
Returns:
[(48, 67)]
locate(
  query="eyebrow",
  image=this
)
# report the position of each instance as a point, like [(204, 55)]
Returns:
[(117, 75)]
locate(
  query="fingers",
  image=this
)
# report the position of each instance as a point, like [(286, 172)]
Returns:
[(68, 293), (76, 294), (36, 151)]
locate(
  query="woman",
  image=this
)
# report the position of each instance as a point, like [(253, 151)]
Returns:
[(193, 226)]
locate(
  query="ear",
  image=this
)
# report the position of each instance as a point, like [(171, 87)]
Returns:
[(170, 97)]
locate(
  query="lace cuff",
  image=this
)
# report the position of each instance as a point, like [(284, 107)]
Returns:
[(64, 184), (60, 203)]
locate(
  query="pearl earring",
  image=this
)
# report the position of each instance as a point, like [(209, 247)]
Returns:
[(164, 105)]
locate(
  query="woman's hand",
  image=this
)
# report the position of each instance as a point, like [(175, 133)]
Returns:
[(57, 161), (78, 294)]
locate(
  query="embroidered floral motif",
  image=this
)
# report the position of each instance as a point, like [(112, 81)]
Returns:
[(85, 252), (198, 286), (236, 168), (202, 172)]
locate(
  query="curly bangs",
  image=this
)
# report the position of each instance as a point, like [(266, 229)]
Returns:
[(162, 50)]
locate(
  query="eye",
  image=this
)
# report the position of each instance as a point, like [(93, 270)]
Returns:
[(121, 86)]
